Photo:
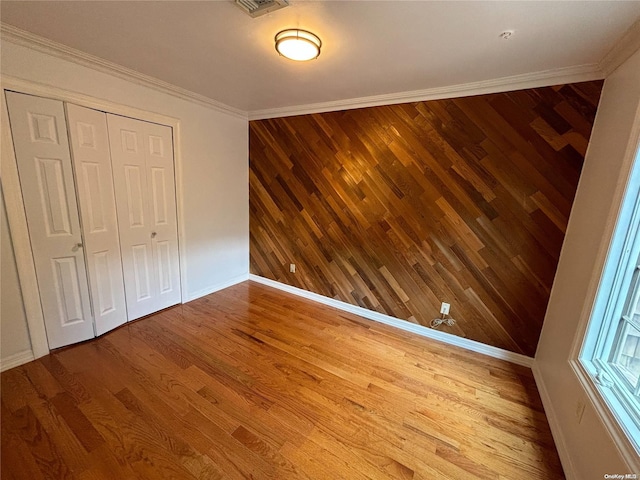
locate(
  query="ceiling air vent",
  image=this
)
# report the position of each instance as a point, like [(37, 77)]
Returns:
[(257, 8)]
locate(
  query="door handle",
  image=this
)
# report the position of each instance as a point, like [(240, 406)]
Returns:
[(77, 246), (153, 234)]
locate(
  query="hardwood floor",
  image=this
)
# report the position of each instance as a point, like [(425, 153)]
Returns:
[(250, 382), (398, 208)]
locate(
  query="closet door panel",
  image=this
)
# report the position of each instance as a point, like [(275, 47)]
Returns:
[(132, 201), (44, 166), (94, 177), (161, 177), (144, 179)]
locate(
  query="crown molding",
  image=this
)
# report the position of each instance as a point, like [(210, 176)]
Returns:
[(20, 37), (557, 76), (626, 46)]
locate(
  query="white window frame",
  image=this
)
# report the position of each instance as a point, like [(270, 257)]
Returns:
[(603, 383)]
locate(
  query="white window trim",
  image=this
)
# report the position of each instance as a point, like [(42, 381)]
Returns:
[(609, 403)]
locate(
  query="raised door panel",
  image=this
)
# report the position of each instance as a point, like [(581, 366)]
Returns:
[(67, 289), (130, 181), (142, 272), (54, 202), (94, 177), (158, 177), (135, 189), (44, 166)]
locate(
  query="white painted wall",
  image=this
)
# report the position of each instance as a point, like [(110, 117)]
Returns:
[(214, 151), (14, 334), (586, 448)]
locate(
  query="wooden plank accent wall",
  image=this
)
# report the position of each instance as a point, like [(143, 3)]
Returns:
[(399, 208)]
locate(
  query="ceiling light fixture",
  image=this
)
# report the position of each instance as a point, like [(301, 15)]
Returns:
[(298, 45)]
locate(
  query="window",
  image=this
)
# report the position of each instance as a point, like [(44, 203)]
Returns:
[(611, 351), (625, 357)]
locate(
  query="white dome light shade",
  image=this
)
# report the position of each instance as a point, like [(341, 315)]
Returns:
[(298, 45)]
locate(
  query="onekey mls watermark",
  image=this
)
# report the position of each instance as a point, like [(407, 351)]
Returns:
[(621, 476)]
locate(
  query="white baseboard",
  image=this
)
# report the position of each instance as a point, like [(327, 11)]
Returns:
[(16, 360), (219, 286), (554, 425), (402, 324)]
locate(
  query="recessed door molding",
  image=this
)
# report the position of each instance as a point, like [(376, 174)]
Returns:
[(15, 205)]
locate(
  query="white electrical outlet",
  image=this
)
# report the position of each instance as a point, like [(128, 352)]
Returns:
[(292, 267), (444, 308)]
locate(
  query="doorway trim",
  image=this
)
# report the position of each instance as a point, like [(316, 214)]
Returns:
[(14, 204)]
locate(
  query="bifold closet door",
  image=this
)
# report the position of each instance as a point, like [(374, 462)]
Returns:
[(94, 179), (143, 173), (40, 140)]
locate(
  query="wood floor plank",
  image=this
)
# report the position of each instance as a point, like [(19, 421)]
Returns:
[(250, 382), (16, 452), (45, 452)]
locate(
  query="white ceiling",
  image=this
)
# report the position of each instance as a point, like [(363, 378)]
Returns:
[(369, 47)]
